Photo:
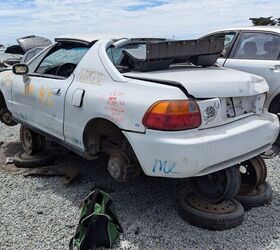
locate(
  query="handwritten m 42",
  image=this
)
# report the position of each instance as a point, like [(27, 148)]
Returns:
[(164, 166)]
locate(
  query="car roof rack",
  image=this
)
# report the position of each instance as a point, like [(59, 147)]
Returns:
[(161, 54)]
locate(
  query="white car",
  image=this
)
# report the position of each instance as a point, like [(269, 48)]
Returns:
[(254, 50), (143, 103)]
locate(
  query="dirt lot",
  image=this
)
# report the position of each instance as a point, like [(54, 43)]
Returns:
[(41, 212)]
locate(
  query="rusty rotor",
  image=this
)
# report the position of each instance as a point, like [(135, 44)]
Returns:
[(253, 173)]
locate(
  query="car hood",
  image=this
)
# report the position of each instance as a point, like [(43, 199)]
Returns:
[(208, 82)]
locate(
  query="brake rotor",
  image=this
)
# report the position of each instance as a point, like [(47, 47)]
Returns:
[(226, 206), (121, 168), (253, 173)]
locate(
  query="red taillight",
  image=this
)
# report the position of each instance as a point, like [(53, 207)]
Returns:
[(173, 115)]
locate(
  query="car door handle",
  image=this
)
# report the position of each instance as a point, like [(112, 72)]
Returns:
[(56, 91), (275, 68)]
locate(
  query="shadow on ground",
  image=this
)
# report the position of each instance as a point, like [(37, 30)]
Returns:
[(146, 207)]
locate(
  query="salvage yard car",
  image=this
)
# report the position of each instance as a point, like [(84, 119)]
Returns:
[(157, 106)]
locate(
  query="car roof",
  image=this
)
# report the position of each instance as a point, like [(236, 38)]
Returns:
[(90, 37), (253, 28)]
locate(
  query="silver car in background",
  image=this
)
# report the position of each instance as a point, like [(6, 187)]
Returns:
[(255, 50)]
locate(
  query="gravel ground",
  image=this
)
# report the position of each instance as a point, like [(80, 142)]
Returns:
[(41, 212)]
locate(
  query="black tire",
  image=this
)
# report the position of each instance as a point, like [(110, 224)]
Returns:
[(32, 142), (261, 196), (210, 220), (228, 179), (23, 160), (6, 117)]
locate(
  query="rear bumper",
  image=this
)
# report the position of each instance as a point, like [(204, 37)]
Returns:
[(199, 152)]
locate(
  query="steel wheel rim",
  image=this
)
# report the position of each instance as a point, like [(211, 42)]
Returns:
[(225, 206), (212, 187), (263, 170), (254, 175), (27, 140)]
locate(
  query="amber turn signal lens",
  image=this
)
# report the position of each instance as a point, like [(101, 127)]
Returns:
[(173, 115)]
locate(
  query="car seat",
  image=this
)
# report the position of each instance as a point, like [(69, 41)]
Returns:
[(250, 49)]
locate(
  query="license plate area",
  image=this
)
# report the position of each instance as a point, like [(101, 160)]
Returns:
[(236, 106)]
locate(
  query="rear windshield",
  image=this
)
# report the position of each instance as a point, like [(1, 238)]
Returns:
[(160, 55), (118, 57)]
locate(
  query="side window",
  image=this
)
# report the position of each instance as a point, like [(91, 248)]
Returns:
[(62, 60), (259, 46), (30, 54), (229, 39)]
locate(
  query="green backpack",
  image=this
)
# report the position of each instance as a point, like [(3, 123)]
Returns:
[(98, 225)]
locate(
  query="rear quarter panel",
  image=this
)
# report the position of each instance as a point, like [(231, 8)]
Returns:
[(122, 101)]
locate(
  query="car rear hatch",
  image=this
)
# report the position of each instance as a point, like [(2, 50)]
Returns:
[(29, 42), (223, 95)]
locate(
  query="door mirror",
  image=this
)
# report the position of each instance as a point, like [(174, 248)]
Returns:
[(20, 69)]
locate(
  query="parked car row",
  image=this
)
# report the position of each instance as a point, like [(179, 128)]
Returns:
[(155, 106)]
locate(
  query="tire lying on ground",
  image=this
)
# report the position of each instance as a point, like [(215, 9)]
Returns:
[(224, 215), (23, 160), (260, 196)]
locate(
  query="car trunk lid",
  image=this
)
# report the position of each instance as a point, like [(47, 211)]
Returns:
[(209, 82), (223, 95)]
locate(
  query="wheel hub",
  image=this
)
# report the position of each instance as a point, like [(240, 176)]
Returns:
[(115, 167), (120, 168), (7, 118)]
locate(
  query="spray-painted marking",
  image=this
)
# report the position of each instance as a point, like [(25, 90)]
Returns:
[(90, 76), (28, 89), (45, 96), (164, 166), (115, 106), (6, 78)]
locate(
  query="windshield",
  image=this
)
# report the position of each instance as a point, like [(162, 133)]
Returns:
[(62, 56)]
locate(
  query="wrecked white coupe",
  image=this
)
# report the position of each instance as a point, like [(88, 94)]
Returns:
[(153, 105)]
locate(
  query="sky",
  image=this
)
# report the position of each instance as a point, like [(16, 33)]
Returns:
[(155, 18)]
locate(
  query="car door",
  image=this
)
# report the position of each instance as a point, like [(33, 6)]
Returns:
[(257, 53), (38, 99)]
